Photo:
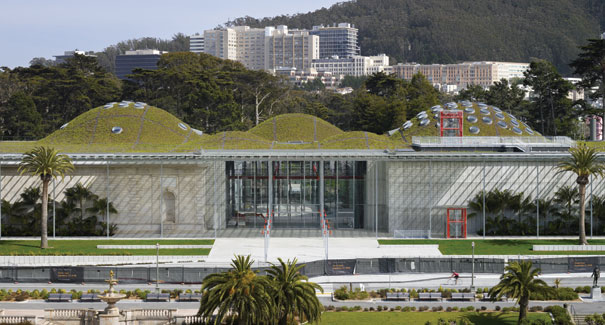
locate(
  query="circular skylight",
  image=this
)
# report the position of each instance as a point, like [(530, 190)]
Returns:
[(484, 111), (183, 126), (517, 130), (496, 109), (471, 118), (198, 132), (116, 130), (108, 105), (139, 105), (64, 126), (500, 116), (424, 122), (469, 110), (514, 123), (407, 125), (529, 131), (437, 124), (436, 108), (502, 124), (481, 105), (511, 116), (124, 104), (474, 130), (525, 124), (421, 115), (451, 105), (486, 120)]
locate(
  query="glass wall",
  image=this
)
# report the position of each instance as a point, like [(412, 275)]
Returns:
[(290, 191)]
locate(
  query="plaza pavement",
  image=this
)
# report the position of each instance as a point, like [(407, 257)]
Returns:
[(313, 249)]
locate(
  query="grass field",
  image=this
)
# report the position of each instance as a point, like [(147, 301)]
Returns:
[(495, 246), (89, 247), (359, 318)]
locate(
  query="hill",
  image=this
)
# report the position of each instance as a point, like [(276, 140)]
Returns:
[(437, 31)]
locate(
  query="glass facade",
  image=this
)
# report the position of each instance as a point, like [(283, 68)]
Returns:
[(291, 191)]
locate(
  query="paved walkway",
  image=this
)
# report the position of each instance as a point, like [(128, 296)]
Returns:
[(312, 249)]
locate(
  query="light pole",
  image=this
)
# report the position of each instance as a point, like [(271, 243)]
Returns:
[(157, 268), (473, 270)]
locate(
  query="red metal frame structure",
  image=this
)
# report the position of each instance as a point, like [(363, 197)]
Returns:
[(451, 123), (454, 218)]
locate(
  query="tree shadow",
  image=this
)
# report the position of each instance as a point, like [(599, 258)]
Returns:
[(490, 318)]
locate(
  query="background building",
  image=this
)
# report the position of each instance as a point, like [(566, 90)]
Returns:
[(196, 43), (353, 66), (70, 54), (483, 73), (221, 43), (338, 40), (290, 48), (142, 59)]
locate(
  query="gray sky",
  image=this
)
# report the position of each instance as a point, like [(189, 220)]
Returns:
[(43, 28)]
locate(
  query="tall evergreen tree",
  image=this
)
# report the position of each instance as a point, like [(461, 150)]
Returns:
[(590, 65)]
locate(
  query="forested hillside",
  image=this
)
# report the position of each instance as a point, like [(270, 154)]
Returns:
[(440, 31)]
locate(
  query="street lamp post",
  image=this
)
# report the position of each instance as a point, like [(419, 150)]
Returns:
[(157, 268), (473, 270)]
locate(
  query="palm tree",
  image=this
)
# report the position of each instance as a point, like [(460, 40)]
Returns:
[(80, 194), (239, 292), (294, 295), (583, 163), (46, 163), (101, 206), (518, 283), (567, 196)]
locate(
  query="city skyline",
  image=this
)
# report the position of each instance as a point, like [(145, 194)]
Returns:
[(43, 29)]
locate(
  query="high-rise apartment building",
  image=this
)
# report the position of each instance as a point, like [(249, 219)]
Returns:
[(483, 73), (250, 46), (196, 43), (290, 49), (340, 40), (354, 66), (221, 43), (139, 59)]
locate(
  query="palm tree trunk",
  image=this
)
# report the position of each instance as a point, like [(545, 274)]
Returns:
[(582, 214), (523, 302), (44, 217)]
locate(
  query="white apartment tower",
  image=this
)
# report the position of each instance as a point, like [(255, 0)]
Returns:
[(196, 43), (290, 49), (221, 43)]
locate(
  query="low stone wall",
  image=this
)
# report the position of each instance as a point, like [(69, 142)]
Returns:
[(94, 260), (153, 246), (568, 248)]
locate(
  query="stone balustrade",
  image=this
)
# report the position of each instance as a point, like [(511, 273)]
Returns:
[(568, 248)]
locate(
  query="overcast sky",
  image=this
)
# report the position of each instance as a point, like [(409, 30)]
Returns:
[(43, 28)]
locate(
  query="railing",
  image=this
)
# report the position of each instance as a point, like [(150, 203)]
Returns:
[(186, 320), (535, 140), (68, 314), (17, 319), (152, 313)]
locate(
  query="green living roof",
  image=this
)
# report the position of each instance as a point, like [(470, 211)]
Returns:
[(146, 128)]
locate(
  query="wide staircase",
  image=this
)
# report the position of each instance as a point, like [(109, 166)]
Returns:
[(577, 318)]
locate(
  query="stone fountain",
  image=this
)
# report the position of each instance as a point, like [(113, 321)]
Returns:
[(112, 313)]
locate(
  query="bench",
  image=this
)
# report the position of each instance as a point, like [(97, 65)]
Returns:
[(190, 297), (398, 296), (89, 297), (430, 296), (470, 296), (59, 297), (164, 297)]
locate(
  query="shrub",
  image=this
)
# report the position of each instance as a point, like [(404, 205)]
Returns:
[(483, 308), (398, 308), (392, 309), (479, 290), (455, 308), (330, 307), (379, 308), (560, 315), (435, 308), (366, 309), (470, 308), (566, 294), (497, 308), (371, 308), (594, 319), (385, 308), (406, 308), (341, 293), (448, 309), (413, 308), (356, 308), (423, 308)]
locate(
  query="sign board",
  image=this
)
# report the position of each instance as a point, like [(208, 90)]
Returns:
[(340, 267), (67, 274), (582, 264)]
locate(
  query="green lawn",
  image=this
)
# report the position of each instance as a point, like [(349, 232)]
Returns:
[(89, 247), (494, 246), (354, 318)]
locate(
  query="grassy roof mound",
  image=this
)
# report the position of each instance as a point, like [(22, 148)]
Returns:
[(142, 129), (288, 128), (485, 129), (359, 140)]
